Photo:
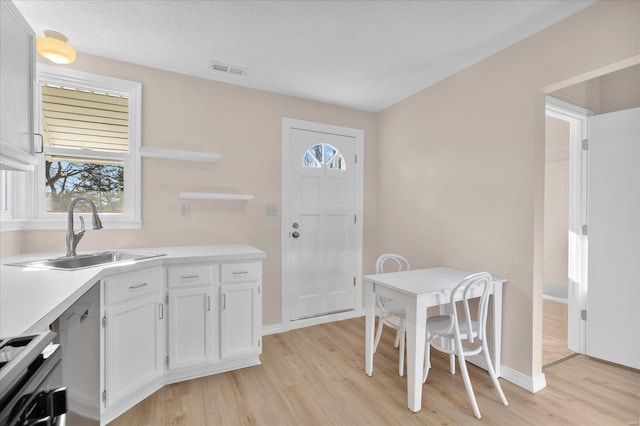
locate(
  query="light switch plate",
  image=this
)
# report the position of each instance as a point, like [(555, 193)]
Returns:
[(184, 209), (271, 210)]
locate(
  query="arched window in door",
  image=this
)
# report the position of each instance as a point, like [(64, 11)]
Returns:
[(324, 155)]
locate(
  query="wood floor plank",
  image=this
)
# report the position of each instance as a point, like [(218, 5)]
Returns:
[(315, 376), (554, 332)]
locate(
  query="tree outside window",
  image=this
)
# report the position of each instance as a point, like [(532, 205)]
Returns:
[(67, 179)]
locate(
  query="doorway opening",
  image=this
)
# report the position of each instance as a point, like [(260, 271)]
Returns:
[(598, 108), (565, 240), (555, 292)]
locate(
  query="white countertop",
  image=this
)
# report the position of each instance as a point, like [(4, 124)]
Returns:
[(32, 298)]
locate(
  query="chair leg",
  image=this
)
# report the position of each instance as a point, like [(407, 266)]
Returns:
[(492, 373), (427, 361), (467, 381), (452, 357), (378, 335), (401, 333), (398, 334)]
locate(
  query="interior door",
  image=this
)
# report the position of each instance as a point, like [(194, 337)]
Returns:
[(613, 323), (320, 247)]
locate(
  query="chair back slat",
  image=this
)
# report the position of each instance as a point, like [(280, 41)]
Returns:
[(401, 264), (463, 292)]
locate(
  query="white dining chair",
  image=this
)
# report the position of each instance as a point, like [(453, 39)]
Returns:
[(452, 329), (392, 313)]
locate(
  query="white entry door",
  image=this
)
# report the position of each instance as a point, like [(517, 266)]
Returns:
[(613, 298), (319, 223)]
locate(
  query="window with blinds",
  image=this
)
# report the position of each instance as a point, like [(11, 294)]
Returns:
[(86, 142)]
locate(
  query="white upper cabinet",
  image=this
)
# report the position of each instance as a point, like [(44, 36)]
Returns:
[(17, 76)]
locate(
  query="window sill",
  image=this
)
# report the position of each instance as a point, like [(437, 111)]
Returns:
[(61, 224)]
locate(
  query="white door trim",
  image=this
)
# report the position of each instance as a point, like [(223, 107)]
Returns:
[(577, 118), (358, 135)]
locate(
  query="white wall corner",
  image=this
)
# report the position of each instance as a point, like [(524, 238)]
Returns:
[(532, 384)]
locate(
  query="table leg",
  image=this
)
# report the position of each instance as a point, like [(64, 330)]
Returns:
[(369, 327), (416, 323)]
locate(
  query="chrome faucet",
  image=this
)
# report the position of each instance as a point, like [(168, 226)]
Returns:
[(73, 238)]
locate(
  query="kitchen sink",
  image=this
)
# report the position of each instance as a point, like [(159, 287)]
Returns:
[(86, 260)]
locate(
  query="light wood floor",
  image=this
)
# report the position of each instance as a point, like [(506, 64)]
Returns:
[(315, 376), (554, 332)]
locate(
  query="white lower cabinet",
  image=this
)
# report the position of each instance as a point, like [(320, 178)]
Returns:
[(191, 315), (240, 319), (240, 309), (213, 315), (134, 333)]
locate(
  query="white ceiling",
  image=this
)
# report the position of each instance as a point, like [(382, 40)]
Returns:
[(362, 54)]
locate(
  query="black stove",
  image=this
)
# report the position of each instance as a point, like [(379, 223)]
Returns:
[(31, 391)]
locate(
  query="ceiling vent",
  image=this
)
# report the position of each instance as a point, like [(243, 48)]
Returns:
[(230, 69)]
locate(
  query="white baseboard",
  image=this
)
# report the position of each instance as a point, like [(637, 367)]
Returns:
[(555, 292), (532, 384), (272, 329), (308, 322)]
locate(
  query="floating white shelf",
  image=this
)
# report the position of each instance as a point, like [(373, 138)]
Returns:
[(175, 154), (214, 196)]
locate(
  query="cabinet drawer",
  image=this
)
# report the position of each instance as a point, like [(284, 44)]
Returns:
[(241, 272), (124, 287), (187, 275)]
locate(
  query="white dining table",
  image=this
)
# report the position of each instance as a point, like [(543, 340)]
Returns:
[(417, 290)]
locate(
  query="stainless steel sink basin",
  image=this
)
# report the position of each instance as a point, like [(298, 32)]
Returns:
[(86, 260)]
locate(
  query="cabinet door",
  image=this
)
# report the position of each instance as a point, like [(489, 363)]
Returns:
[(17, 58), (239, 319), (134, 345), (190, 327)]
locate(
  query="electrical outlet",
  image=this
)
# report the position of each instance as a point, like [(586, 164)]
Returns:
[(184, 209), (271, 210)]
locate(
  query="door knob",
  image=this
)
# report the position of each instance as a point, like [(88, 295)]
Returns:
[(295, 234)]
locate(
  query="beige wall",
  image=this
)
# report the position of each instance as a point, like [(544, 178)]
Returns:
[(245, 127), (615, 91), (556, 202), (465, 160)]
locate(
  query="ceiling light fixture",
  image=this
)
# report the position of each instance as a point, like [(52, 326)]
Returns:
[(54, 47)]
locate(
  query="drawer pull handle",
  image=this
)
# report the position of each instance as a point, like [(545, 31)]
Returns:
[(161, 306), (133, 287), (189, 277), (240, 273)]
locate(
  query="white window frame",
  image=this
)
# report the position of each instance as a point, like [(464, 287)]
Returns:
[(33, 207), (19, 201)]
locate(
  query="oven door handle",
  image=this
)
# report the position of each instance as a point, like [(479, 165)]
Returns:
[(55, 405), (43, 421), (58, 401)]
